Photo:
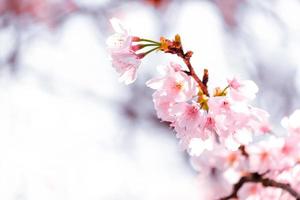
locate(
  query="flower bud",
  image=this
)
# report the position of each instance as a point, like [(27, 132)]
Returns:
[(136, 47), (135, 39)]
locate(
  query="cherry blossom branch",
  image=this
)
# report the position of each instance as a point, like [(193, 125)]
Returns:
[(202, 84), (178, 107), (175, 47), (266, 182)]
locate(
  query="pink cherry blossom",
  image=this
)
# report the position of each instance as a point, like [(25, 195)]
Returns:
[(260, 122), (292, 123), (120, 40), (174, 83), (162, 106), (217, 167), (124, 59), (189, 122), (185, 137), (263, 155), (126, 64), (188, 116), (235, 121), (242, 90), (209, 160), (288, 153), (219, 157)]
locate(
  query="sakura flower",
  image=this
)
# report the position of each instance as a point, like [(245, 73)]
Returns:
[(242, 90), (185, 137), (210, 161), (288, 154), (235, 122), (175, 84), (213, 166), (188, 116), (260, 120), (124, 59), (126, 64), (217, 157), (189, 122), (240, 137), (120, 40), (263, 155), (229, 118), (219, 105), (292, 123), (162, 106)]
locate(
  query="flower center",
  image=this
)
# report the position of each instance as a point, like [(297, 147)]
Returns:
[(178, 86), (231, 158), (264, 156), (192, 111)]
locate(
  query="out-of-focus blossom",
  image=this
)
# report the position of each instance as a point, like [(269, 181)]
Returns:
[(262, 155), (157, 3), (292, 123), (229, 11), (44, 11)]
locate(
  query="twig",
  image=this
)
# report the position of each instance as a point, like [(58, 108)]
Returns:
[(175, 47), (186, 58)]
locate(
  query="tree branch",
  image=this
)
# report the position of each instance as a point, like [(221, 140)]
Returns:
[(186, 58), (266, 182), (175, 47)]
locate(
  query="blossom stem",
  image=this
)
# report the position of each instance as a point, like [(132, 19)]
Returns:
[(147, 40), (266, 182), (223, 91), (149, 45), (147, 52)]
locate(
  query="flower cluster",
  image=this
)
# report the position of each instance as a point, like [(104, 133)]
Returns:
[(225, 117), (230, 141), (274, 158)]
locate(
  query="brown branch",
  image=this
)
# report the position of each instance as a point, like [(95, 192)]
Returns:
[(243, 151), (186, 58), (205, 77), (175, 47), (266, 182)]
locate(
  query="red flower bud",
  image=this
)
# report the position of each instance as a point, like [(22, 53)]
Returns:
[(141, 55), (135, 39), (136, 47)]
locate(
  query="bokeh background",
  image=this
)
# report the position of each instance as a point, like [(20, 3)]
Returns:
[(70, 131)]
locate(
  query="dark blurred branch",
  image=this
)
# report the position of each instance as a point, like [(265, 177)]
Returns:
[(266, 182)]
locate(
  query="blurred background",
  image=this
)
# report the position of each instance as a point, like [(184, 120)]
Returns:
[(69, 130)]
